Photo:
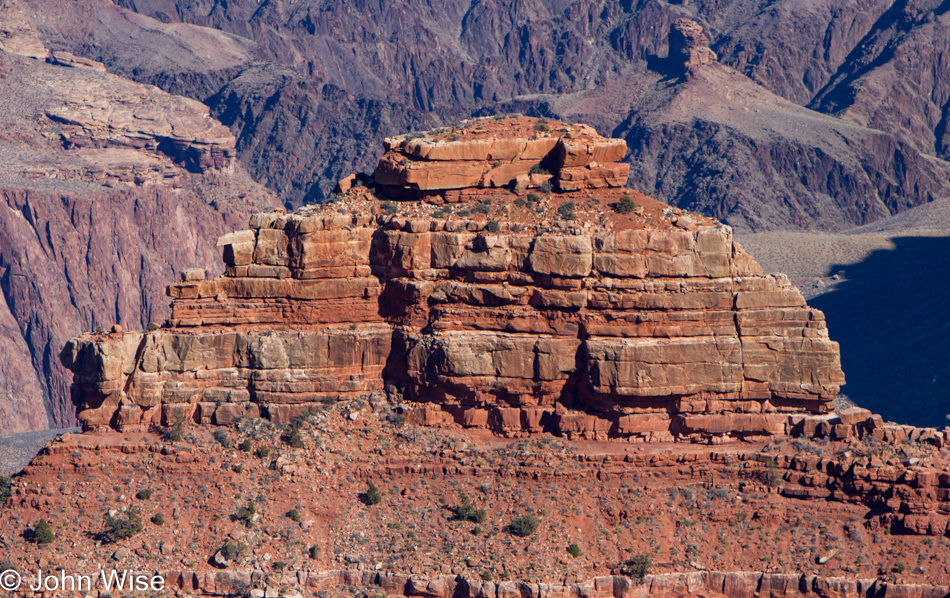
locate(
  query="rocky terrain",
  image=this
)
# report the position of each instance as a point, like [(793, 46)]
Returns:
[(442, 384), (109, 188)]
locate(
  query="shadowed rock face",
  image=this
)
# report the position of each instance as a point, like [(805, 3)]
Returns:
[(653, 329), (107, 187)]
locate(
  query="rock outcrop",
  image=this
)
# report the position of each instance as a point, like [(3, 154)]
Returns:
[(636, 327), (689, 46), (501, 152)]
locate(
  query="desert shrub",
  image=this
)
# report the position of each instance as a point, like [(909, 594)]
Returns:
[(42, 533), (294, 438), (245, 515), (626, 205), (263, 452), (542, 126), (372, 496), (467, 511), (772, 476), (390, 207), (222, 437), (294, 515), (482, 208), (232, 550), (245, 445), (279, 565), (158, 519), (177, 431), (638, 566), (122, 526), (524, 525), (314, 552), (538, 169), (152, 326), (533, 197), (144, 494), (566, 211), (547, 186), (493, 226), (6, 489), (520, 202), (574, 550), (98, 330)]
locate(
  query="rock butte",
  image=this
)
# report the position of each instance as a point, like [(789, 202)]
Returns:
[(651, 329)]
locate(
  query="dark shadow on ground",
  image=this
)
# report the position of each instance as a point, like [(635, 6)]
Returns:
[(891, 316)]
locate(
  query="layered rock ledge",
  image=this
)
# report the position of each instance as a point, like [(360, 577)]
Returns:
[(651, 326), (512, 152)]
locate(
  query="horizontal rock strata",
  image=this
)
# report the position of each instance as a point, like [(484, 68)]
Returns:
[(493, 152), (652, 334)]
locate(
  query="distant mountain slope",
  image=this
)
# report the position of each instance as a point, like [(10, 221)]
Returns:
[(366, 69), (108, 188)]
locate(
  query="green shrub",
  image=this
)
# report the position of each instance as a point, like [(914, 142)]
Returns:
[(245, 515), (294, 515), (493, 226), (294, 438), (232, 550), (152, 326), (468, 512), (538, 169), (547, 186), (390, 207), (144, 494), (772, 476), (6, 489), (520, 202), (98, 330), (626, 205), (263, 452), (158, 519), (372, 496), (542, 127), (122, 526), (637, 567), (279, 565), (533, 197), (314, 552), (42, 533), (481, 209), (177, 431), (524, 525), (566, 211), (574, 550), (245, 445)]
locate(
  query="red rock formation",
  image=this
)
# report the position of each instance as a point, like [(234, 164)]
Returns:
[(643, 328), (501, 152)]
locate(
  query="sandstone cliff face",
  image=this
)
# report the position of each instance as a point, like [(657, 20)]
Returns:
[(108, 187), (655, 330)]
